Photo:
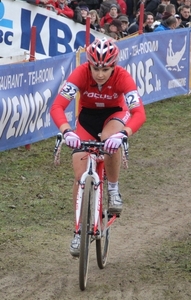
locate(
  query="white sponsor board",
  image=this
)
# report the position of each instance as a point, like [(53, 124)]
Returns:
[(55, 34)]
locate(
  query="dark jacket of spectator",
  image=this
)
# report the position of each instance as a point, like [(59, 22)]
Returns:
[(93, 4), (160, 12), (131, 8), (124, 25), (134, 27), (33, 1), (151, 5), (185, 22)]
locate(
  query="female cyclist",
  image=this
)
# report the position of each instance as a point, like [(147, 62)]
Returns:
[(109, 104)]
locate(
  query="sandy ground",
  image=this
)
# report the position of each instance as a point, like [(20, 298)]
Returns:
[(149, 218)]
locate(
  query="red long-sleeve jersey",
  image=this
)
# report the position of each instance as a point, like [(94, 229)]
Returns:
[(120, 90)]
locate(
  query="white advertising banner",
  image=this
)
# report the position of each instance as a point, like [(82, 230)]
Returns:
[(55, 34)]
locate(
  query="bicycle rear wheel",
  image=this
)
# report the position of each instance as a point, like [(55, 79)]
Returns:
[(102, 249), (102, 245), (85, 236)]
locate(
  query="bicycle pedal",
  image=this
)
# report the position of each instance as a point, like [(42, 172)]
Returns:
[(113, 214), (109, 216), (77, 232), (90, 232)]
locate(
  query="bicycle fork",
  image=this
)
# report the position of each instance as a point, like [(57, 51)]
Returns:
[(95, 204)]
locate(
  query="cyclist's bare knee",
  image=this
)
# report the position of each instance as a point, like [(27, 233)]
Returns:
[(79, 165), (112, 127)]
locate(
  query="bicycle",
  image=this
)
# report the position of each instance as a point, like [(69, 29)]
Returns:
[(91, 205)]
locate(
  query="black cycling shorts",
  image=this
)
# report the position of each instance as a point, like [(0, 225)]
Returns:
[(92, 121)]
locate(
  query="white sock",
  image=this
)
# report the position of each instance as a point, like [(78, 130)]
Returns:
[(112, 186)]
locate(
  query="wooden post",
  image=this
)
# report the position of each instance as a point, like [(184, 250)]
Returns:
[(33, 44), (88, 30), (141, 16)]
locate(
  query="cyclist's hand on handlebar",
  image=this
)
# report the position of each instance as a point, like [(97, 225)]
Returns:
[(114, 142), (72, 140)]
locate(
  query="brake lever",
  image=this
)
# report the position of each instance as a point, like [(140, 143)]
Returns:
[(58, 142), (126, 147)]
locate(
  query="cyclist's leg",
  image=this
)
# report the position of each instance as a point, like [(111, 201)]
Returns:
[(113, 164), (79, 165)]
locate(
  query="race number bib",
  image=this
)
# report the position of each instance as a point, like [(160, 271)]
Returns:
[(69, 91), (132, 99)]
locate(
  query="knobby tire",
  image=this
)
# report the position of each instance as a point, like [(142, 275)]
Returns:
[(85, 237)]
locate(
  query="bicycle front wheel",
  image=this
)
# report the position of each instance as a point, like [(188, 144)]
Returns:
[(85, 233)]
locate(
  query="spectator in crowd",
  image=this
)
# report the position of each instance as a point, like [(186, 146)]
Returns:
[(39, 2), (123, 6), (74, 5), (167, 24), (151, 6), (186, 2), (178, 21), (61, 8), (184, 12), (177, 4), (112, 14), (35, 1), (160, 12), (165, 2), (136, 14), (94, 20), (105, 7), (131, 8), (135, 19), (93, 4), (134, 27), (84, 10), (124, 25), (81, 11), (149, 22), (171, 9), (113, 29)]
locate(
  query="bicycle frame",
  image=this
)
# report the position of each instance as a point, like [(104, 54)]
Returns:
[(95, 168)]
